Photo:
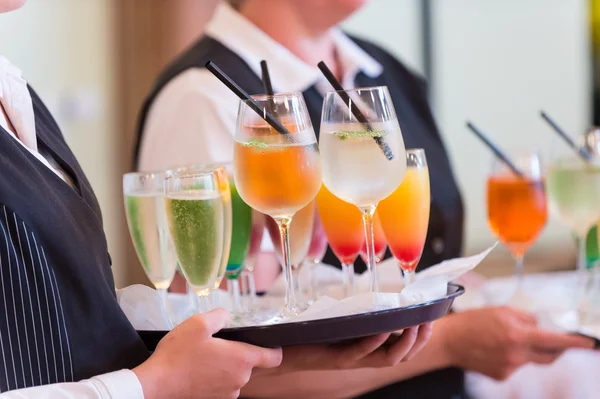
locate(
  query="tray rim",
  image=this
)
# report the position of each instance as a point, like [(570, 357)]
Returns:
[(460, 290)]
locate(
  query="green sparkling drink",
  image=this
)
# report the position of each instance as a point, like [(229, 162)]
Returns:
[(195, 219), (240, 237)]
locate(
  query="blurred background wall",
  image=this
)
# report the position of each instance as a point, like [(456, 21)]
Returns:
[(494, 62)]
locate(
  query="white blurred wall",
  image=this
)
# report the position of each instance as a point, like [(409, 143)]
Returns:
[(65, 49), (496, 63)]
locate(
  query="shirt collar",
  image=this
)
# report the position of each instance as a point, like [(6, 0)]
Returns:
[(10, 70), (288, 72)]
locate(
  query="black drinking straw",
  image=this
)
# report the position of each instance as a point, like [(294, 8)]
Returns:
[(579, 150), (495, 150), (266, 78), (238, 91), (387, 151)]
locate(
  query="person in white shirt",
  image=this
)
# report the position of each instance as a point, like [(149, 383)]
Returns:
[(189, 118), (62, 333)]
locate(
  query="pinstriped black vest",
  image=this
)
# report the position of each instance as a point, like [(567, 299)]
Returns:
[(59, 318), (444, 238)]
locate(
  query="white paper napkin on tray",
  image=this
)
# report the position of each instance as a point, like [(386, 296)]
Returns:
[(430, 285), (146, 311)]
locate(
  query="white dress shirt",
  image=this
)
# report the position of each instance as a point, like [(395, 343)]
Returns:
[(16, 103)]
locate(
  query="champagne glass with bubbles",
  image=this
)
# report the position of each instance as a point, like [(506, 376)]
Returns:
[(146, 219), (363, 153), (195, 215), (221, 171)]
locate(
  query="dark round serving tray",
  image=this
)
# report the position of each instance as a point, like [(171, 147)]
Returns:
[(332, 330)]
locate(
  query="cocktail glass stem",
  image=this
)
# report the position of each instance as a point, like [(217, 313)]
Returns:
[(519, 271), (409, 277), (376, 278), (519, 298), (348, 279), (203, 300), (582, 272), (214, 299), (581, 254), (311, 266), (233, 288), (290, 308), (249, 289), (367, 214), (162, 293), (298, 287)]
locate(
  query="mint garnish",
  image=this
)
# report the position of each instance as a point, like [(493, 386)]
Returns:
[(256, 143), (343, 135)]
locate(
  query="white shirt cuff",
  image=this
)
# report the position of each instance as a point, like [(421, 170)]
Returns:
[(122, 384)]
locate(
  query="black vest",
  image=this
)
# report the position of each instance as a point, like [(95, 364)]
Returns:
[(59, 317), (444, 238)]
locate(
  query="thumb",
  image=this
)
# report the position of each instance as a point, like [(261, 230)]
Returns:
[(215, 320), (265, 358)]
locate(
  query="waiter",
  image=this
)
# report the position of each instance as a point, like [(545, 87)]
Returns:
[(190, 118), (62, 332)]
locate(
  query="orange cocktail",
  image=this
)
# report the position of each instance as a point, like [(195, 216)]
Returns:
[(344, 229), (275, 174), (277, 167), (405, 214), (517, 210)]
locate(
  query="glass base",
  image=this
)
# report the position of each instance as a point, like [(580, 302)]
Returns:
[(257, 317)]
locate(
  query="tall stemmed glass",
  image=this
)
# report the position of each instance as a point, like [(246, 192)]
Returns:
[(195, 215), (300, 237), (517, 208), (277, 172), (405, 215), (144, 208), (364, 159)]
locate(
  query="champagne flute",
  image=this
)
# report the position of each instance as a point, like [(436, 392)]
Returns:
[(224, 188), (364, 159), (146, 219), (195, 215), (277, 172), (404, 215), (517, 209)]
